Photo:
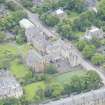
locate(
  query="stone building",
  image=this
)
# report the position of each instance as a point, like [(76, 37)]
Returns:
[(58, 52), (37, 38), (9, 87), (94, 32), (35, 61), (61, 50), (96, 97)]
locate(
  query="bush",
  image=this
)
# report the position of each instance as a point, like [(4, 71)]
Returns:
[(50, 20), (82, 83), (48, 91), (51, 69), (12, 6), (81, 44), (11, 20), (2, 37), (98, 59), (89, 51)]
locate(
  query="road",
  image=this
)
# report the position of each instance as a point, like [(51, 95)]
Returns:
[(36, 21)]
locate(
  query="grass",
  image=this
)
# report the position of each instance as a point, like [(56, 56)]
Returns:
[(19, 70), (73, 15), (79, 34), (25, 48), (7, 53), (65, 78), (30, 90), (6, 49)]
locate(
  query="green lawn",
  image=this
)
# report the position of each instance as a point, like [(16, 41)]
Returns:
[(30, 90), (64, 78), (19, 70), (7, 53), (25, 48), (73, 15), (6, 49)]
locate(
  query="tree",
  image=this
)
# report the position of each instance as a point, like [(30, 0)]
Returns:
[(51, 69), (2, 37), (21, 38), (1, 102), (80, 83), (12, 6), (11, 20), (50, 20), (57, 89), (65, 30), (2, 1), (98, 59), (81, 44), (75, 84), (89, 51), (40, 93), (68, 88), (96, 42), (101, 10), (11, 101), (86, 19), (27, 3), (48, 91), (76, 5), (94, 80)]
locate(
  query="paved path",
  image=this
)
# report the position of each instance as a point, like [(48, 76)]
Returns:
[(35, 20)]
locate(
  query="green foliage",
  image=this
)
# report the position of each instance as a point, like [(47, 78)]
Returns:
[(20, 37), (12, 6), (2, 1), (67, 83), (31, 90), (7, 53), (96, 42), (89, 51), (2, 37), (85, 20), (81, 44), (82, 83), (50, 20), (98, 59), (102, 42), (19, 70), (101, 10), (11, 20), (26, 3), (14, 101), (65, 29), (47, 6), (51, 69), (48, 91), (94, 80), (57, 89), (76, 5)]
